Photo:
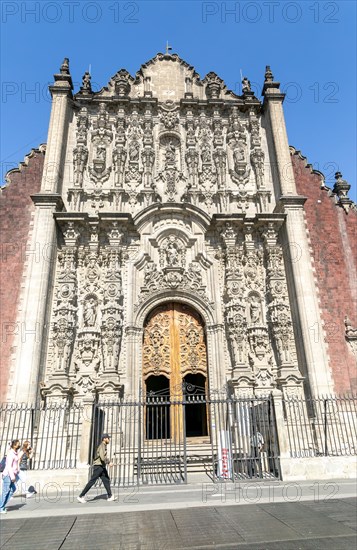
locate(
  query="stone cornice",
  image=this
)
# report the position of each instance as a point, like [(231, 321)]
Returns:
[(289, 202), (48, 199)]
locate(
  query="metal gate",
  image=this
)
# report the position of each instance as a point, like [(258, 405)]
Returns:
[(158, 440)]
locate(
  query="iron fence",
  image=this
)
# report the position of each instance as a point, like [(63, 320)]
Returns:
[(160, 439), (53, 430), (323, 426)]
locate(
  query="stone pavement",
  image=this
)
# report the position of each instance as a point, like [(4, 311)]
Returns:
[(280, 516)]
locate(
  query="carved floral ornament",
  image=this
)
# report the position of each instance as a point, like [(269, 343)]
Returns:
[(351, 335)]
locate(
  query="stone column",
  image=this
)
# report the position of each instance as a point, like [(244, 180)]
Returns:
[(282, 168), (86, 430), (134, 336), (306, 314), (36, 298)]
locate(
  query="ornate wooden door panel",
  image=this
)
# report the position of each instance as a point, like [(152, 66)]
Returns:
[(193, 356), (156, 348)]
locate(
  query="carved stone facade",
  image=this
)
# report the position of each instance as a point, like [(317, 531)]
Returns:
[(167, 196)]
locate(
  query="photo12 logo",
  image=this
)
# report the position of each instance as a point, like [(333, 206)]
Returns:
[(69, 12), (270, 12)]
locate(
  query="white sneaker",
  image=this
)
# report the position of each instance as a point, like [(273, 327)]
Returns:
[(82, 500), (112, 498), (3, 511)]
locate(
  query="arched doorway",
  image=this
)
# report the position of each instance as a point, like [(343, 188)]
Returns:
[(174, 349), (196, 409), (157, 411)]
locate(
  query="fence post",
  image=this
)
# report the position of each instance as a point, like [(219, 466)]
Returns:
[(283, 440), (87, 420), (325, 426)]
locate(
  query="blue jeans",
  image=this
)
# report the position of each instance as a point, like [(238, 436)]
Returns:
[(8, 489)]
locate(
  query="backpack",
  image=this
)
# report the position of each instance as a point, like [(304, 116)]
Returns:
[(3, 464)]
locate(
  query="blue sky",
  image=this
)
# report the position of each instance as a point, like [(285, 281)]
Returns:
[(310, 45)]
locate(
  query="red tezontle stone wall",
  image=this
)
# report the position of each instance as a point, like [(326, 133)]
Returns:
[(333, 240), (16, 210)]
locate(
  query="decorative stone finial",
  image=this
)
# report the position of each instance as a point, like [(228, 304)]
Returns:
[(65, 66), (214, 85), (341, 186), (63, 79), (270, 83), (341, 189), (122, 83), (268, 74)]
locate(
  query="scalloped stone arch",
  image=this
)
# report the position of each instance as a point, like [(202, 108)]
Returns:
[(190, 211), (184, 297)]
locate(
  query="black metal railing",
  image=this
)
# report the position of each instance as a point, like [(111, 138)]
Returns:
[(158, 439), (53, 430), (161, 438), (322, 426)]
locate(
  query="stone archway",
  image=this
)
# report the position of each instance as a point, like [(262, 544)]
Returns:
[(174, 346)]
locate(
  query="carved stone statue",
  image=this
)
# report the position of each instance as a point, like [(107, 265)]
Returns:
[(172, 254), (101, 153), (246, 85), (206, 153), (170, 154), (255, 310), (134, 148), (90, 313), (86, 82)]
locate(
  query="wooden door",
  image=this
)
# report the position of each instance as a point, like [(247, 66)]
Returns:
[(174, 347)]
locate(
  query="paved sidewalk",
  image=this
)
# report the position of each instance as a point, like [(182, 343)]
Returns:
[(272, 516)]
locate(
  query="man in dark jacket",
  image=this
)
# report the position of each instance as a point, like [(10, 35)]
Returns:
[(100, 464)]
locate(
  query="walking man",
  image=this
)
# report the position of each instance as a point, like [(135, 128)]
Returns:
[(99, 471)]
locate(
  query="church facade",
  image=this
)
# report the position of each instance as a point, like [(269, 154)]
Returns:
[(168, 242), (175, 274)]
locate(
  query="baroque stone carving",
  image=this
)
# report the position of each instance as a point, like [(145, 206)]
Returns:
[(213, 85), (119, 150), (122, 83), (102, 128), (80, 152), (133, 174), (278, 305), (172, 252), (170, 159), (351, 335), (172, 278), (237, 142), (169, 115), (65, 312), (99, 172)]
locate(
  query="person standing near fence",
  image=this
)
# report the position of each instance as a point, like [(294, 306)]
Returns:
[(25, 454), (256, 448), (99, 471), (10, 475)]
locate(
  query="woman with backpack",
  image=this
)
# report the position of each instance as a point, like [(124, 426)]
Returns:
[(10, 475)]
